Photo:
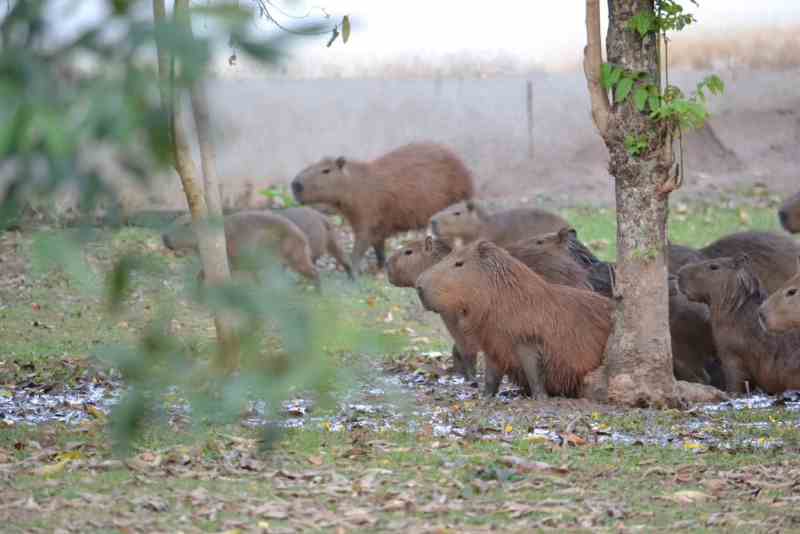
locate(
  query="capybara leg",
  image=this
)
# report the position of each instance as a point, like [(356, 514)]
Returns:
[(336, 251), (684, 371), (464, 364), (531, 360), (492, 378), (359, 248), (734, 377), (299, 260), (716, 377), (380, 253)]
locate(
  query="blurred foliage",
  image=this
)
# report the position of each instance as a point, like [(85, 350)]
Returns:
[(279, 196), (65, 102)]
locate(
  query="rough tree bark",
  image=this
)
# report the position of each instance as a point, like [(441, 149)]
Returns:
[(203, 203), (638, 366)]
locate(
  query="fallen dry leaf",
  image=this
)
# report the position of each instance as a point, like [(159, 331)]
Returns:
[(527, 466), (688, 497)]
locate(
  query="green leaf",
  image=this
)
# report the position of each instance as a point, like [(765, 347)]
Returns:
[(605, 76), (616, 74), (654, 102), (643, 23), (623, 89), (345, 28), (640, 98)]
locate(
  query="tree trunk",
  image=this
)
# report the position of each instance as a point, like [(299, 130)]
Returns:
[(212, 247), (638, 356)]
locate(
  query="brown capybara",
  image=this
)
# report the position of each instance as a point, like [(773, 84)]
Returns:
[(320, 233), (680, 255), (781, 311), (748, 354), (773, 256), (565, 242), (465, 222), (693, 351), (789, 214), (553, 334), (249, 233), (409, 262), (395, 193)]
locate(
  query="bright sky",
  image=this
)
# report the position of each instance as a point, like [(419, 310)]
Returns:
[(545, 31)]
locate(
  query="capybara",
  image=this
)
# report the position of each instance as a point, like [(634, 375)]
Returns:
[(789, 214), (466, 222), (320, 233), (395, 193), (733, 292), (553, 334), (565, 242), (781, 311), (773, 256), (693, 351), (249, 233), (680, 255), (409, 262)]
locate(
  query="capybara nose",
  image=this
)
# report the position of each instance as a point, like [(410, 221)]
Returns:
[(297, 188), (784, 218)]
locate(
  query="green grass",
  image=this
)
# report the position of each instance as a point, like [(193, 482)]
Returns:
[(216, 478)]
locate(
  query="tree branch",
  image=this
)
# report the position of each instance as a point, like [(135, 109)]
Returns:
[(592, 64)]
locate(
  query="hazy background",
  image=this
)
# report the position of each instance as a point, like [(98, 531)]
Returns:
[(456, 72)]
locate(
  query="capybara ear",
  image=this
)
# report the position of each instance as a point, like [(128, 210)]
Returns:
[(564, 233), (741, 260), (798, 264), (470, 205), (340, 161), (428, 244)]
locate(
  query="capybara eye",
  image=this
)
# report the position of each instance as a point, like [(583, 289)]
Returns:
[(457, 213), (459, 264), (325, 171), (713, 266), (792, 292), (409, 252), (540, 242)]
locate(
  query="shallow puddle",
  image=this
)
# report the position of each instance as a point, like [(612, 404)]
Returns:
[(445, 406)]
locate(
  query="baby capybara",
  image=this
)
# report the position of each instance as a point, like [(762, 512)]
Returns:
[(395, 193), (409, 262), (565, 242), (789, 214), (320, 233), (693, 352), (552, 334), (773, 256), (748, 354), (466, 222), (781, 311), (249, 233)]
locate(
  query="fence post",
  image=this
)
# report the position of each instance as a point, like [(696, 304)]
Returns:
[(529, 104)]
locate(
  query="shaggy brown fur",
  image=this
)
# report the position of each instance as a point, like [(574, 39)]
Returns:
[(467, 222), (789, 214), (553, 334), (693, 351), (249, 233), (409, 262), (320, 233), (773, 256), (394, 193), (781, 311), (746, 351), (565, 243), (680, 255)]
